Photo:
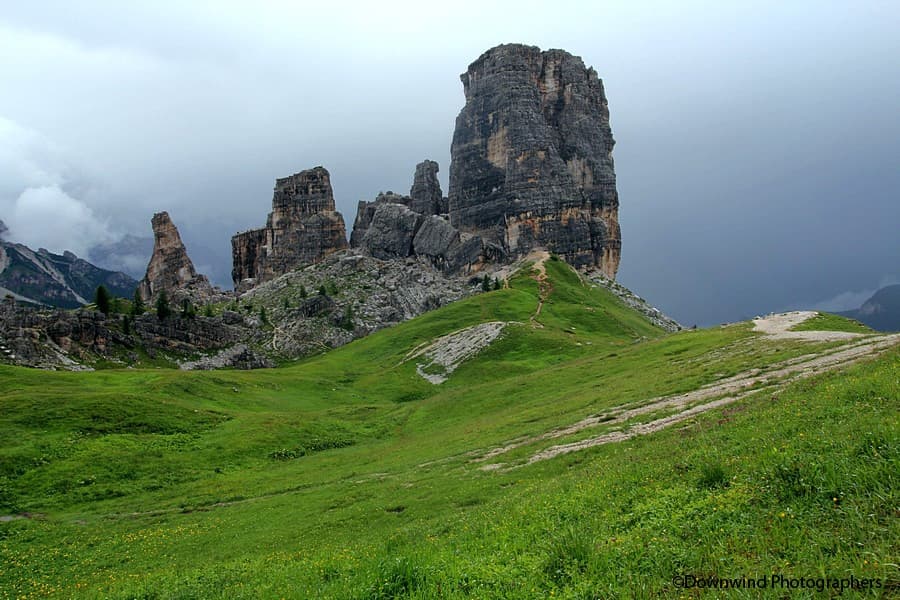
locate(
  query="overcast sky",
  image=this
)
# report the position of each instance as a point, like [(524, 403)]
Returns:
[(758, 143)]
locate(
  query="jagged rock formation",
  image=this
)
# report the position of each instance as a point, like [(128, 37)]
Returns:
[(375, 293), (394, 226), (425, 195), (170, 269), (302, 228), (62, 280), (532, 157)]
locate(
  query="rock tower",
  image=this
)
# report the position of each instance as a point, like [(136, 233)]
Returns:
[(531, 158), (302, 228), (170, 268)]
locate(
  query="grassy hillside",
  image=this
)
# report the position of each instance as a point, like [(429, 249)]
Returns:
[(831, 322), (348, 475)]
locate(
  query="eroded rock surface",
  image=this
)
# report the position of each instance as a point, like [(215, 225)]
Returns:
[(170, 269), (302, 229), (395, 226), (532, 157)]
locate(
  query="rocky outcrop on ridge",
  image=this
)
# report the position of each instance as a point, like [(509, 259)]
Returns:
[(302, 229), (531, 158), (362, 294), (63, 339), (170, 269), (394, 226), (632, 300)]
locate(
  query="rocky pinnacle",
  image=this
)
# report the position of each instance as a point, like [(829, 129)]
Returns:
[(302, 228), (531, 158), (170, 268)]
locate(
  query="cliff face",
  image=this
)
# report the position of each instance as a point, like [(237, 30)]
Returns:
[(302, 228), (532, 157), (394, 226), (170, 268)]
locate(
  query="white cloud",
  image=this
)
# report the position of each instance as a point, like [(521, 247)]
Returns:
[(50, 218), (850, 300), (35, 202)]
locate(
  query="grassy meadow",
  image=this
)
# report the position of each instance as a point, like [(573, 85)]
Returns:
[(347, 475)]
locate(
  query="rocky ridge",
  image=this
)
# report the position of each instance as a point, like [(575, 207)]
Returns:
[(62, 280), (76, 340), (632, 300)]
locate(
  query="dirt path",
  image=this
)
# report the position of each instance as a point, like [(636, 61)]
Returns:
[(779, 327), (724, 391), (544, 287)]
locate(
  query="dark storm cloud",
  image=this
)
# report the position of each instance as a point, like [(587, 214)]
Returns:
[(757, 144)]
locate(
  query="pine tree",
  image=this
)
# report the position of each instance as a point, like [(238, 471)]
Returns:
[(187, 309), (126, 325), (163, 310), (303, 293), (263, 316), (497, 284), (137, 304), (323, 291), (347, 320), (102, 300), (486, 284)]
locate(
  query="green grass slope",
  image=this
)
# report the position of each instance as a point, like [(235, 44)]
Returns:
[(349, 476), (831, 322)]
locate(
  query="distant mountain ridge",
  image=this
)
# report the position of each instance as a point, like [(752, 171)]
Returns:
[(61, 280), (880, 312)]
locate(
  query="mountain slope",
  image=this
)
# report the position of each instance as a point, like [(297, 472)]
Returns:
[(880, 312), (350, 475), (65, 281)]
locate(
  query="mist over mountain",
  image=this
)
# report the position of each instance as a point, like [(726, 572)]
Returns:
[(880, 312)]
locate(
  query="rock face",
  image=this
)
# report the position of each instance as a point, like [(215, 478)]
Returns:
[(425, 195), (395, 226), (53, 338), (532, 157), (302, 228), (170, 269)]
